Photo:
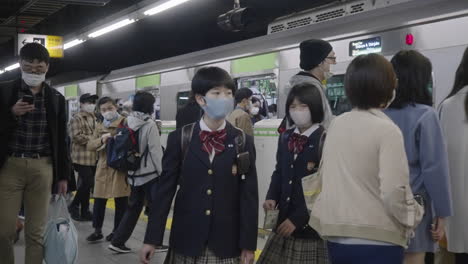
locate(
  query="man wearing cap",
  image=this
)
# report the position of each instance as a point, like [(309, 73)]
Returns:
[(81, 130), (33, 153), (316, 57)]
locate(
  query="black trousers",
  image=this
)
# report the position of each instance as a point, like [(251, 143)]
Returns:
[(99, 211), (461, 258), (138, 196), (85, 183)]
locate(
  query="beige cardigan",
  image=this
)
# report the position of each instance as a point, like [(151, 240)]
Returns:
[(365, 181)]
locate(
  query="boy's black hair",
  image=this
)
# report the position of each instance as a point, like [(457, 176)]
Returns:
[(34, 51), (414, 72), (241, 94), (308, 94), (370, 81), (209, 77), (105, 100), (144, 102)]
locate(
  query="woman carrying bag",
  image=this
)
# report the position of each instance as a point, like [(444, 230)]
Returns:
[(109, 183)]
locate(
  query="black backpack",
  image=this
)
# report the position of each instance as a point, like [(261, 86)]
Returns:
[(123, 152)]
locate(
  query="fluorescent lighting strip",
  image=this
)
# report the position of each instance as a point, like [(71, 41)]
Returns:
[(72, 43), (163, 7), (110, 28), (12, 67)]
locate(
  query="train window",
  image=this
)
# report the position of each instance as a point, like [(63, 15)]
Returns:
[(336, 95), (264, 88), (182, 98)]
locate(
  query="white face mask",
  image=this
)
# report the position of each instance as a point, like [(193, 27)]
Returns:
[(301, 118), (254, 110), (33, 80), (111, 115), (89, 108)]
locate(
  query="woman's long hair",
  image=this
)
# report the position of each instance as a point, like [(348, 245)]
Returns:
[(461, 79)]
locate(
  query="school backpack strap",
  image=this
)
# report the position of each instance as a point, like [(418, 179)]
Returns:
[(185, 138), (240, 141)]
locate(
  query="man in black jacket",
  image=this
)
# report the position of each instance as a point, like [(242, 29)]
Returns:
[(33, 155)]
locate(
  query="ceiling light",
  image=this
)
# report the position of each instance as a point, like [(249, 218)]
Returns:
[(111, 28), (163, 7), (72, 43), (12, 67), (2, 71)]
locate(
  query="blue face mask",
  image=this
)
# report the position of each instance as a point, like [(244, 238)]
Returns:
[(218, 108)]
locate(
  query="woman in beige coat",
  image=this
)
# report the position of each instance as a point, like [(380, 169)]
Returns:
[(108, 183)]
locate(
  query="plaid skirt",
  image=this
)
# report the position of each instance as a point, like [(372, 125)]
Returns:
[(290, 250), (207, 257)]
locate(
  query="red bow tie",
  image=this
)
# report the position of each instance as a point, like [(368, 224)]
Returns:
[(296, 143), (213, 140)]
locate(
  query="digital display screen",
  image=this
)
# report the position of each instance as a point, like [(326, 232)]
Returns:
[(365, 46)]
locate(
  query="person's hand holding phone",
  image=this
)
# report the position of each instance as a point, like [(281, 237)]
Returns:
[(23, 106)]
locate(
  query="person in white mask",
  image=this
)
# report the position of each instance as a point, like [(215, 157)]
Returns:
[(33, 154), (316, 58), (108, 183), (81, 129), (298, 155)]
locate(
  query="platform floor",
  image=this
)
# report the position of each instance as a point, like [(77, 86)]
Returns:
[(99, 253)]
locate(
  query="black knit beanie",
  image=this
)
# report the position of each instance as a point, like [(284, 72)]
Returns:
[(313, 52)]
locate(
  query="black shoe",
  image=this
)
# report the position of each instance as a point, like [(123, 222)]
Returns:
[(95, 237), (110, 237), (161, 249), (86, 217), (74, 213), (119, 248)]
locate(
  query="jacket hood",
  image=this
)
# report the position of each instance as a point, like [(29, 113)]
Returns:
[(137, 119), (298, 79)]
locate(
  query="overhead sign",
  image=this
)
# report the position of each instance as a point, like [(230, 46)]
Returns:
[(54, 44), (365, 46)]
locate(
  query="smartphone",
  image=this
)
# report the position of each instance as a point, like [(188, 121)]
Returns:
[(28, 99)]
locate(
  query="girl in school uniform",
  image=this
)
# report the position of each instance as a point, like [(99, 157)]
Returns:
[(293, 241)]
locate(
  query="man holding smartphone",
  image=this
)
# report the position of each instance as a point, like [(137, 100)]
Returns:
[(33, 156)]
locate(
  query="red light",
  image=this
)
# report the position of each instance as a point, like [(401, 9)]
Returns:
[(22, 30), (409, 39), (22, 22)]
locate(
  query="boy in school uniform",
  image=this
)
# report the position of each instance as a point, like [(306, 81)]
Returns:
[(215, 215)]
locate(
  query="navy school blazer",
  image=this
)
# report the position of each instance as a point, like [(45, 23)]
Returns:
[(214, 207), (286, 182)]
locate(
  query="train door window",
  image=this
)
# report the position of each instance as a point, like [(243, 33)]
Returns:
[(264, 88), (182, 98), (336, 95)]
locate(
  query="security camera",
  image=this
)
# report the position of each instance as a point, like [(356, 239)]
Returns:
[(236, 20)]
